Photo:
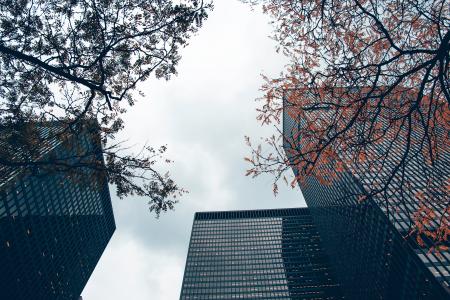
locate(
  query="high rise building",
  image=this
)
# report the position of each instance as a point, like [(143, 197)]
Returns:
[(369, 246), (257, 254), (54, 226)]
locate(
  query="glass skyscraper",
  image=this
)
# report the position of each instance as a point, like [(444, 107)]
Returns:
[(368, 246), (53, 226), (257, 254)]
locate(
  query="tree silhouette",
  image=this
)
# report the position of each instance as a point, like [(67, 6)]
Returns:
[(70, 62), (368, 85)]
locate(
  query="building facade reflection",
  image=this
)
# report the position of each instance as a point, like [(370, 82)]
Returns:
[(257, 254)]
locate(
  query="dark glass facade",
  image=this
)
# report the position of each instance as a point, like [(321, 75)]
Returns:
[(53, 230), (367, 246), (257, 254)]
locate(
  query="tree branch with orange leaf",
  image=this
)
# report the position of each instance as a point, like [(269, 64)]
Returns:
[(367, 86)]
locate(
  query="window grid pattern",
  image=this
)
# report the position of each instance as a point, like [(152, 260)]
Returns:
[(365, 243), (53, 231), (264, 254)]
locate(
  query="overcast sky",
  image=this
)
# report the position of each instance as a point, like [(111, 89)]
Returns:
[(202, 115)]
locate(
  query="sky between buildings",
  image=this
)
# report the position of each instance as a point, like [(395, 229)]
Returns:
[(202, 115)]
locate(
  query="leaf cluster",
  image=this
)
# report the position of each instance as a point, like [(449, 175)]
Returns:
[(366, 92), (73, 61)]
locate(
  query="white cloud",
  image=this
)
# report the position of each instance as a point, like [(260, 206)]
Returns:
[(202, 115), (128, 270), (208, 174)]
